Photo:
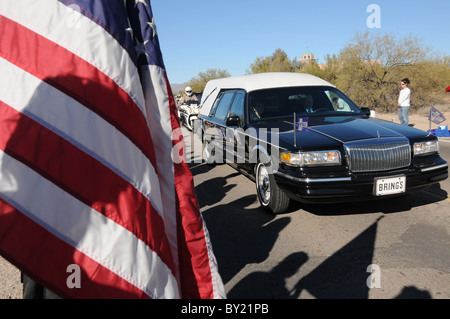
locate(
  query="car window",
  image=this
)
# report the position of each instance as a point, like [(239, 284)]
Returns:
[(280, 103), (237, 108), (221, 109), (338, 103)]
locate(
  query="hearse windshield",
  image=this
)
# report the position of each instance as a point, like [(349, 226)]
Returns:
[(281, 103)]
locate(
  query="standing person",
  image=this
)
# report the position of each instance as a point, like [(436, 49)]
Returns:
[(404, 102)]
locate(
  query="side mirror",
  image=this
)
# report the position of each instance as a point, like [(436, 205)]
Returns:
[(366, 110), (233, 121)]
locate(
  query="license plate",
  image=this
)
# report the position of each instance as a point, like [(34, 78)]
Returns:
[(389, 185)]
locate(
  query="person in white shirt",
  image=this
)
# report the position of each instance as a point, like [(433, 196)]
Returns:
[(404, 102)]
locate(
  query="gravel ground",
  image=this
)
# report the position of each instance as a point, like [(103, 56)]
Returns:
[(10, 285)]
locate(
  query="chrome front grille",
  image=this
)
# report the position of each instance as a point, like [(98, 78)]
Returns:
[(378, 155)]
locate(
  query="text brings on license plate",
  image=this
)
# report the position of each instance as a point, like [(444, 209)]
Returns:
[(389, 186)]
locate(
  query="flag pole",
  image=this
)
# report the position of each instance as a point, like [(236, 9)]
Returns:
[(429, 118), (295, 130)]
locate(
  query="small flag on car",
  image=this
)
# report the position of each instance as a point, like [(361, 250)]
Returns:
[(301, 124), (436, 116)]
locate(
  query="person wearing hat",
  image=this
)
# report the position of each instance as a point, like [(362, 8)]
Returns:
[(404, 102), (189, 97)]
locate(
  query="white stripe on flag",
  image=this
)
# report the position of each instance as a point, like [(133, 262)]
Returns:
[(161, 131), (87, 230)]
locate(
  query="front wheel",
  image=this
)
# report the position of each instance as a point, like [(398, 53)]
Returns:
[(189, 124), (269, 194), (209, 151)]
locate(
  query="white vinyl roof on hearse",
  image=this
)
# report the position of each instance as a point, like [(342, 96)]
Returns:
[(254, 82)]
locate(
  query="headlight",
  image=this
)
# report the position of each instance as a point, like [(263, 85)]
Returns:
[(425, 148), (301, 159)]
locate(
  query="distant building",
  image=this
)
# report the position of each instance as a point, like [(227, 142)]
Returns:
[(307, 57)]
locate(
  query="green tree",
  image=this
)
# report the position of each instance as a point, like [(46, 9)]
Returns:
[(277, 62), (372, 66), (328, 71), (198, 82)]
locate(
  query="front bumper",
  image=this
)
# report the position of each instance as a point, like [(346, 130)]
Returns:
[(355, 187)]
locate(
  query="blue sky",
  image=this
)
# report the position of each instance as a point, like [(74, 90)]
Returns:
[(197, 35)]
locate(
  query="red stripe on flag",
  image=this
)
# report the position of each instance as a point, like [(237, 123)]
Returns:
[(78, 79), (84, 178), (196, 275), (19, 238)]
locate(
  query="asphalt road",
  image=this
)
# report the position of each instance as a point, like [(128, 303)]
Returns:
[(318, 251), (395, 248)]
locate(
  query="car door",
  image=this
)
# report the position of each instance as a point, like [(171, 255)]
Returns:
[(235, 135), (215, 124)]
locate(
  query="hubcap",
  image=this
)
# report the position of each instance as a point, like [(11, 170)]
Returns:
[(263, 184)]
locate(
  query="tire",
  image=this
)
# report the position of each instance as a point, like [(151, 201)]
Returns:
[(208, 155), (271, 197), (189, 123)]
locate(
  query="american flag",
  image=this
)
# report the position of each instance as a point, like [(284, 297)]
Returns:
[(87, 122)]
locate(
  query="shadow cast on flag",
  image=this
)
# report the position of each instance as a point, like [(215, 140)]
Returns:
[(86, 171)]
